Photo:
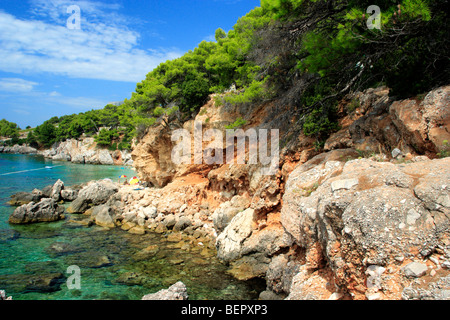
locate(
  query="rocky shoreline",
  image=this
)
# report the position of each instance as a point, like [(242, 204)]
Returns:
[(110, 205), (16, 149), (82, 151), (366, 218), (402, 243)]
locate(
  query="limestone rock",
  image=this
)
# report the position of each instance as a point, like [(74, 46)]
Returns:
[(105, 216), (344, 184), (22, 198), (104, 157), (18, 149), (415, 269), (229, 242), (69, 194), (94, 194), (182, 223), (56, 190), (223, 215), (178, 291), (389, 211), (85, 151), (45, 211)]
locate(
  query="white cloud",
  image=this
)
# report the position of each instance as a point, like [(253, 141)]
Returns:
[(11, 87), (56, 10), (22, 112), (103, 49), (16, 85), (54, 94)]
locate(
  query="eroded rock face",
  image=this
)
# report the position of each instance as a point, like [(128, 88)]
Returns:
[(152, 158), (388, 213), (327, 225), (380, 124)]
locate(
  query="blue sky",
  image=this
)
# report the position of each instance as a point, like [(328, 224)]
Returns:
[(48, 69)]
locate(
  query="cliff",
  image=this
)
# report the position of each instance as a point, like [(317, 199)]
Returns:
[(363, 218)]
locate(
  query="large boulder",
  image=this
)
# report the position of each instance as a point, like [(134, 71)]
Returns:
[(223, 215), (104, 216), (364, 213), (249, 249), (56, 190), (230, 242), (47, 210), (94, 194), (104, 157)]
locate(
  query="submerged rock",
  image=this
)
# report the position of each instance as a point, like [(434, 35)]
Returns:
[(8, 235), (61, 248), (45, 282)]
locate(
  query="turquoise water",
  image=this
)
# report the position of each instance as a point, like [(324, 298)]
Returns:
[(113, 263)]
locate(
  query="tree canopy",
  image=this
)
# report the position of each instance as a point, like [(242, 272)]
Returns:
[(9, 129), (306, 54)]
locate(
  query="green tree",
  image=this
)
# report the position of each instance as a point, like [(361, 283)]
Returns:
[(220, 34), (9, 129), (32, 140), (46, 134), (106, 137)]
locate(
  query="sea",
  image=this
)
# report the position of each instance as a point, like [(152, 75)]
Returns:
[(65, 260)]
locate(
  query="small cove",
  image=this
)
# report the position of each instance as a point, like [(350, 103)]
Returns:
[(114, 264)]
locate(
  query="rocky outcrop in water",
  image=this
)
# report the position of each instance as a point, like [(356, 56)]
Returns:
[(47, 210), (57, 192)]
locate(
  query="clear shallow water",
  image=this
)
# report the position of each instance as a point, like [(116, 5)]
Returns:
[(113, 263)]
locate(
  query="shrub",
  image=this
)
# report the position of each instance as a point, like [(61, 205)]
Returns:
[(239, 123)]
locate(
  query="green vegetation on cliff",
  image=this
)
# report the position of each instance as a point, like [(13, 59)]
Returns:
[(306, 54)]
